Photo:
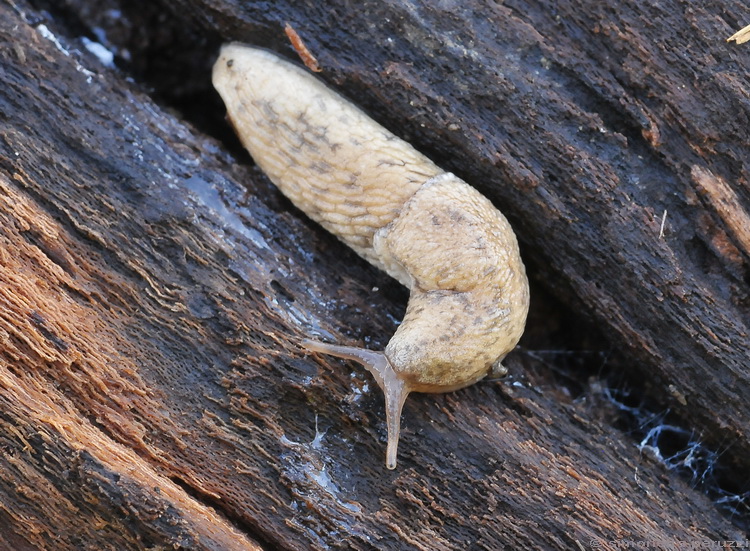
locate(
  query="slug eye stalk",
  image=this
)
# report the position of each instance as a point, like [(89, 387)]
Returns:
[(393, 387)]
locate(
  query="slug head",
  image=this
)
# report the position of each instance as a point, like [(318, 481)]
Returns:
[(394, 387)]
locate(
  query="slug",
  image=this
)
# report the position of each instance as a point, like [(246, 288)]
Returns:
[(427, 228)]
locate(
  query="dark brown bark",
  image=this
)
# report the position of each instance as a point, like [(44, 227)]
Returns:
[(588, 124), (152, 290)]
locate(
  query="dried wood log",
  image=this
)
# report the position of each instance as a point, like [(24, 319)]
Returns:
[(151, 391), (613, 135)]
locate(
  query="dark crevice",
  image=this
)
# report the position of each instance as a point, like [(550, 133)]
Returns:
[(170, 58), (254, 532)]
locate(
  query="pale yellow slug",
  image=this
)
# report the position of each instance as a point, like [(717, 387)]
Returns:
[(425, 227)]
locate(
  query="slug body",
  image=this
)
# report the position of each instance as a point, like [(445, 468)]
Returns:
[(425, 227)]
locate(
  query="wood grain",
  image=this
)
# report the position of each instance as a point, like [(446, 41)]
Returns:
[(152, 289)]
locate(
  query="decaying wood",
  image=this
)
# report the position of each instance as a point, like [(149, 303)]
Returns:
[(152, 290), (584, 123)]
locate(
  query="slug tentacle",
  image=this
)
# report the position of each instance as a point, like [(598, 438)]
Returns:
[(394, 387), (397, 209)]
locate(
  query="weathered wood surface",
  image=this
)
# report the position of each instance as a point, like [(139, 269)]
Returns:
[(585, 122), (151, 291)]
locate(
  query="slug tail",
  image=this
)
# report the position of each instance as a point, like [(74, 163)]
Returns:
[(394, 387)]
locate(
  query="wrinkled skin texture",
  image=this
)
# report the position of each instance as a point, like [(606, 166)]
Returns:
[(427, 228)]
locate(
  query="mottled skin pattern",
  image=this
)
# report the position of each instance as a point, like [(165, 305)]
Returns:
[(340, 167), (425, 227), (469, 293)]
